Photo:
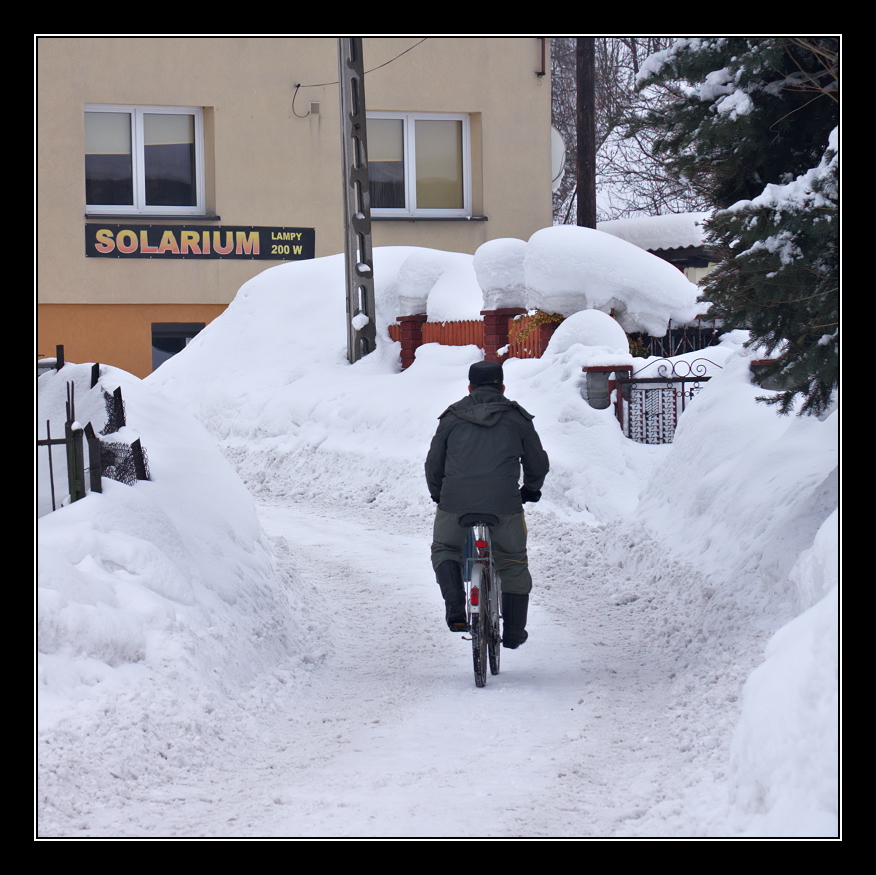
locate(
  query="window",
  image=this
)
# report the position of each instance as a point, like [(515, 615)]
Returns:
[(169, 338), (419, 164), (144, 159)]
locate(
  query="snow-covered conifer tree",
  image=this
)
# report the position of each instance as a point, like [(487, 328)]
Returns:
[(753, 126)]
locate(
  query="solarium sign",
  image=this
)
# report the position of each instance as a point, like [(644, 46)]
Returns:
[(198, 241)]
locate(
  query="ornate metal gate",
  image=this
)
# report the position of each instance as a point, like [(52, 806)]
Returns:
[(651, 400)]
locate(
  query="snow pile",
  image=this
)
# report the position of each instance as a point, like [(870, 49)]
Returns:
[(785, 753), (570, 269), (605, 340), (760, 517), (171, 577), (763, 486)]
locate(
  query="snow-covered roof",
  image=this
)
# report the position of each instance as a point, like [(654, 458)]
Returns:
[(673, 231)]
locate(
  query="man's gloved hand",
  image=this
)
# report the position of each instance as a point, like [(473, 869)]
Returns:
[(532, 495)]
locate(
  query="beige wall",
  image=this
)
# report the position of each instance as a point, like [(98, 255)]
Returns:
[(268, 166)]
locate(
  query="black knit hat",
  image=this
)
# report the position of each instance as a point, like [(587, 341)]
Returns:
[(485, 374)]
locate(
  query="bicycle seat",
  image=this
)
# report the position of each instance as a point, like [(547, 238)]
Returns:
[(474, 519)]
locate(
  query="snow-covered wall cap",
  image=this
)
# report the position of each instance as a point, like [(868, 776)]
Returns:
[(498, 266), (419, 272), (440, 284), (672, 231), (569, 268)]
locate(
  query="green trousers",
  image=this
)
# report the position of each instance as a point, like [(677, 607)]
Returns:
[(508, 540)]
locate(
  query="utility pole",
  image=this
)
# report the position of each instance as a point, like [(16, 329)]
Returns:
[(361, 329), (585, 123)]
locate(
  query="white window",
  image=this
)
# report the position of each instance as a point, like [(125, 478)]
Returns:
[(144, 160), (419, 164)]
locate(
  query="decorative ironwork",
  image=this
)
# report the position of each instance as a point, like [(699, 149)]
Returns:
[(656, 401)]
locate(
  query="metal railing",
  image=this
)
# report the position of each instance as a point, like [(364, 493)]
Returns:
[(680, 339)]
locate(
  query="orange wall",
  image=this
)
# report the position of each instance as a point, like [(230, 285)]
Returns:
[(114, 334)]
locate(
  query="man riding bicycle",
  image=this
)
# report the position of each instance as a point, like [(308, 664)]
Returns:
[(474, 465)]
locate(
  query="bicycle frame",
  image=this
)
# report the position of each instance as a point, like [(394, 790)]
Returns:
[(478, 548)]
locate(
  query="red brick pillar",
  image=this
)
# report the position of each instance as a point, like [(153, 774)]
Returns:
[(411, 337), (545, 333), (496, 327)]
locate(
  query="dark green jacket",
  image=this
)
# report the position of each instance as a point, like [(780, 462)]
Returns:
[(475, 458)]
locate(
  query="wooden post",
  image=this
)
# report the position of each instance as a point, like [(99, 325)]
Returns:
[(586, 130), (118, 414), (75, 462), (139, 460), (94, 468)]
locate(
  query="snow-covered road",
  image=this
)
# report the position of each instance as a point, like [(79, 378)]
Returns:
[(613, 720), (597, 727)]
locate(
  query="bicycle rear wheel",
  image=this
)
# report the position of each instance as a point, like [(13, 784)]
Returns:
[(494, 646), (480, 626)]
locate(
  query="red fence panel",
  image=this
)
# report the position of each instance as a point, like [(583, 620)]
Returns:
[(532, 345)]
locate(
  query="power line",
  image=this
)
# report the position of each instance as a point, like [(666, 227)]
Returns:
[(378, 67)]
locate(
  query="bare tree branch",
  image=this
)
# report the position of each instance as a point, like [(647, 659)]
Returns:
[(630, 180)]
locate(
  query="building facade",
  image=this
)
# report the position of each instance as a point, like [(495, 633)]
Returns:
[(170, 170)]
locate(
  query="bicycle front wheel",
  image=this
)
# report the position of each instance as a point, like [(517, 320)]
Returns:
[(480, 626)]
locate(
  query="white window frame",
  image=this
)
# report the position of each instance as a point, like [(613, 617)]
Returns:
[(411, 208), (139, 206)]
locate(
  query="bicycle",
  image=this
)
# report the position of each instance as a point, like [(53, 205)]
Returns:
[(483, 590)]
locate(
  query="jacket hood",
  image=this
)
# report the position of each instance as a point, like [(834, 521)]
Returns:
[(484, 406)]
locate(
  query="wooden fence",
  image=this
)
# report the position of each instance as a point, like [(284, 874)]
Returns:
[(526, 337), (532, 342)]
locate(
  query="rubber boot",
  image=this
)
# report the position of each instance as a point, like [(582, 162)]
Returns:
[(514, 610), (449, 577)]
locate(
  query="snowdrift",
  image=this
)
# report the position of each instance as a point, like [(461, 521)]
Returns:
[(170, 577)]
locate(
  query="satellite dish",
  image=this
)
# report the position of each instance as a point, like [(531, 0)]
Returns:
[(558, 159)]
